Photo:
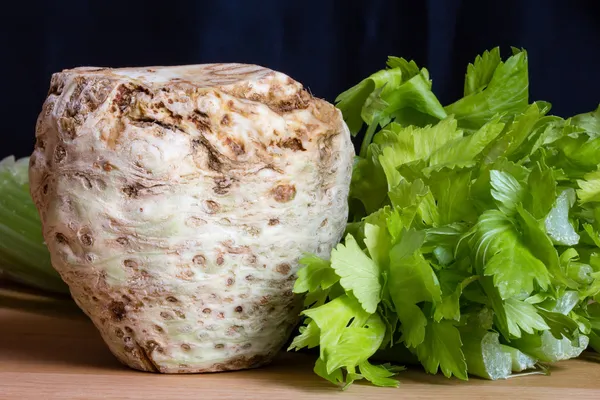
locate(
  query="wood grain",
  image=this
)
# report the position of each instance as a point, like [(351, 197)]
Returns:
[(49, 350)]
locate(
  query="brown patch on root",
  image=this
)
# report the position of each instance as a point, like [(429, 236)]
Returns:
[(226, 120), (222, 185), (125, 95), (201, 120), (136, 190), (211, 206), (294, 144), (117, 310), (283, 269), (61, 238), (112, 134), (59, 154), (212, 155), (146, 358), (241, 362), (237, 148), (231, 249), (199, 260), (284, 193), (300, 101)]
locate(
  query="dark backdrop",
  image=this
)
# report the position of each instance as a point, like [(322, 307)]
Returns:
[(328, 45)]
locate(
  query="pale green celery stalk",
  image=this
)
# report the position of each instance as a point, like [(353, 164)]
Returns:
[(484, 354), (520, 361), (23, 254), (547, 348)]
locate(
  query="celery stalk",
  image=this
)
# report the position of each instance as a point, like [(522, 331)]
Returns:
[(23, 254)]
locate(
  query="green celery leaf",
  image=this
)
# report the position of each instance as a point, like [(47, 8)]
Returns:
[(408, 68), (379, 375), (356, 344), (378, 239), (318, 297), (447, 235), (579, 273), (316, 273), (589, 121), (402, 145), (517, 139), (451, 190), (368, 184), (389, 316), (358, 273), (308, 337), (480, 73), (407, 199), (412, 279), (469, 147), (541, 191), (472, 244), (416, 94), (589, 188), (549, 129), (593, 311), (442, 349), (581, 150), (413, 322), (506, 190), (594, 236), (352, 100), (373, 111), (428, 210), (394, 225), (333, 318), (497, 304), (522, 316), (335, 377), (449, 308), (540, 245), (499, 248), (506, 92), (560, 325)]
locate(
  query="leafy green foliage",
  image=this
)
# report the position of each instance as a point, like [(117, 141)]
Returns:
[(473, 246)]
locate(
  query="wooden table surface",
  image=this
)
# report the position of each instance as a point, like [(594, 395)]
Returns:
[(49, 350)]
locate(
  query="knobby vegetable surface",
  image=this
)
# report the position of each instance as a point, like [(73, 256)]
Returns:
[(473, 243), (176, 201)]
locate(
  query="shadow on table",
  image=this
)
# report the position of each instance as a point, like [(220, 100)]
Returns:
[(39, 329)]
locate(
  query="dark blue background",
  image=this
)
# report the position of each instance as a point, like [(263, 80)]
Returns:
[(328, 45)]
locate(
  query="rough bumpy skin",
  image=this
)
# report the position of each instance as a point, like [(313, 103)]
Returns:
[(176, 202)]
